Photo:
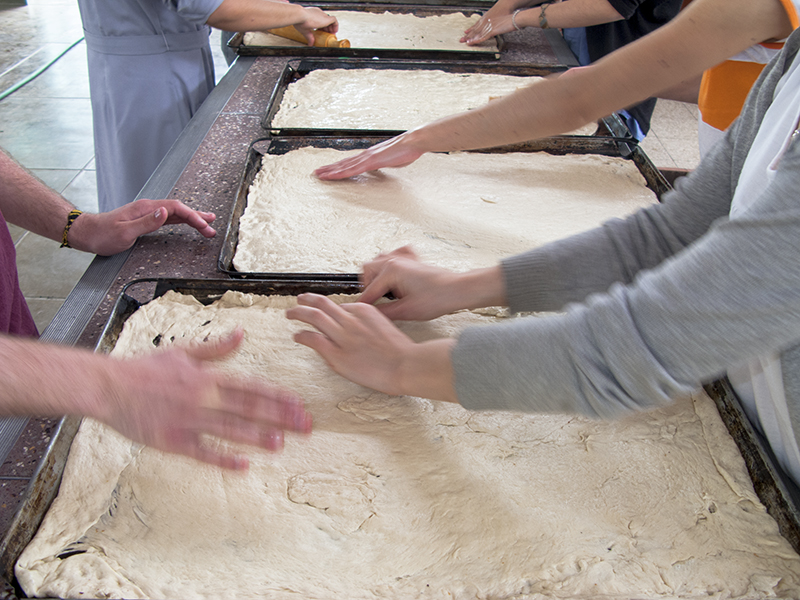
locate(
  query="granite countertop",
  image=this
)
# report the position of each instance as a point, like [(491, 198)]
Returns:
[(208, 182)]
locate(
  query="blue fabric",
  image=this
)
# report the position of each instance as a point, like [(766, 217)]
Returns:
[(150, 69)]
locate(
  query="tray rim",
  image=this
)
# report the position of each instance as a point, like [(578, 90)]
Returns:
[(236, 42), (624, 149), (299, 67), (52, 463)]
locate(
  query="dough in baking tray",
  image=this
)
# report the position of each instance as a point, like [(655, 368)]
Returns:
[(397, 31), (460, 210), (403, 498), (390, 98)]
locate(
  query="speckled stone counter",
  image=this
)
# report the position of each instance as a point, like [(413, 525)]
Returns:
[(205, 165)]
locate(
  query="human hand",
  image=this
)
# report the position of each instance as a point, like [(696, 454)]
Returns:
[(488, 26), (117, 230), (422, 292), (355, 339), (172, 400), (316, 18), (399, 151)]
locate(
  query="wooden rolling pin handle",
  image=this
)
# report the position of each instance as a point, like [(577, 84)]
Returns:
[(322, 39)]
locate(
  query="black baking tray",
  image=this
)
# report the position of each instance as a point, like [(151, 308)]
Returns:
[(44, 484), (299, 68), (608, 146), (774, 488), (236, 43)]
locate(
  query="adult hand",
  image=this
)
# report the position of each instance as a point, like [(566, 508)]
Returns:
[(488, 26), (117, 230), (356, 340), (399, 151), (316, 18), (171, 400), (361, 344), (422, 292)]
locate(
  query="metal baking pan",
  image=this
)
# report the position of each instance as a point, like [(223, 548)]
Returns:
[(236, 43), (607, 146), (297, 69), (44, 484), (776, 491)]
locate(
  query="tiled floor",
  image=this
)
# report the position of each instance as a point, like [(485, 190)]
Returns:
[(46, 125)]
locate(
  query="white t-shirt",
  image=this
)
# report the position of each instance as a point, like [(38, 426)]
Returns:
[(759, 383)]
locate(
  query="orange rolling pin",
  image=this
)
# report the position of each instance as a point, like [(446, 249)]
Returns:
[(322, 39)]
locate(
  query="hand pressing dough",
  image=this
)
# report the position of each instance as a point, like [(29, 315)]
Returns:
[(402, 498), (396, 31), (390, 99), (460, 210)]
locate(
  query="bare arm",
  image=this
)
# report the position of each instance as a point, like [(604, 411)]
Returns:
[(168, 400), (27, 202), (575, 13), (260, 15), (701, 36)]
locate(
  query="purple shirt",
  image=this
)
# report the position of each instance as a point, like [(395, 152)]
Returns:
[(15, 317)]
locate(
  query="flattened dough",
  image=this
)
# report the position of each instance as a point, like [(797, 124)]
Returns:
[(390, 99), (459, 210), (403, 498), (392, 31)]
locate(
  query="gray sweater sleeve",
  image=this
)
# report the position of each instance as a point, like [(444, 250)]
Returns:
[(670, 297)]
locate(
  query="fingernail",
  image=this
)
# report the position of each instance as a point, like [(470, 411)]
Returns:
[(157, 214), (274, 440)]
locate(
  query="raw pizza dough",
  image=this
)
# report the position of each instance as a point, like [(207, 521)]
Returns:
[(402, 498), (460, 210), (396, 31), (390, 98)]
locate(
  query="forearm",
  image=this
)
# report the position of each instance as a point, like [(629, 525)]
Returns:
[(572, 13), (427, 372), (47, 380), (701, 36), (568, 270), (256, 15), (27, 202)]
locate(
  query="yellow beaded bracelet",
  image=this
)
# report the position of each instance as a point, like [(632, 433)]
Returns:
[(73, 214)]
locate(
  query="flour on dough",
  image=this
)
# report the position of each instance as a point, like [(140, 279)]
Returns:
[(393, 31), (461, 210), (390, 99), (402, 498)]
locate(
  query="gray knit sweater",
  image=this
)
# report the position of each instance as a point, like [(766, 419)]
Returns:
[(655, 304)]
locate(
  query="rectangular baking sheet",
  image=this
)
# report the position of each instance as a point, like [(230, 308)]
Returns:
[(236, 43), (556, 145), (43, 487), (774, 489), (299, 68)]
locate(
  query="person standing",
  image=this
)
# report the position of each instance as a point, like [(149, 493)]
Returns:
[(150, 69)]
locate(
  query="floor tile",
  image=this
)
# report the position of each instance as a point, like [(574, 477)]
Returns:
[(47, 271), (47, 133), (685, 152), (16, 232), (656, 152), (58, 179), (68, 77), (82, 191), (43, 310), (672, 120), (32, 26)]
